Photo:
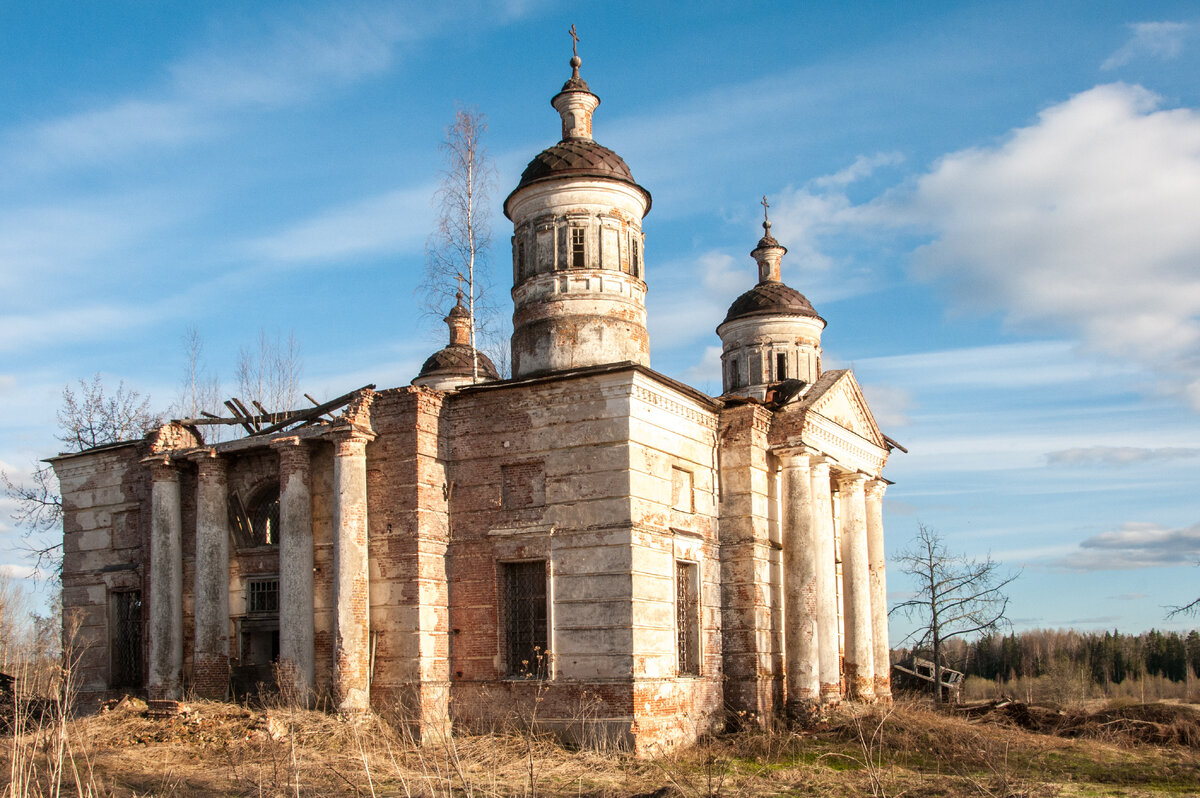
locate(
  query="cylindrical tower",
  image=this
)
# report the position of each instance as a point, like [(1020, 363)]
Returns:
[(579, 289), (772, 332)]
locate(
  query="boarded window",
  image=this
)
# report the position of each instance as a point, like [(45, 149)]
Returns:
[(525, 618), (522, 485), (687, 616), (682, 490), (577, 255), (125, 625)]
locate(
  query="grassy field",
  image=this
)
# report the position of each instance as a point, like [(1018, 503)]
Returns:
[(221, 749)]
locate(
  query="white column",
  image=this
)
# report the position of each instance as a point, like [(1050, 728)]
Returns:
[(296, 628), (166, 582), (800, 583), (351, 579), (879, 614), (826, 583), (210, 653), (859, 655)]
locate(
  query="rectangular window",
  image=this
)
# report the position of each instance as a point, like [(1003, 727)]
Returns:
[(687, 616), (525, 619), (262, 596), (125, 624), (522, 263), (781, 366), (733, 373), (682, 485), (577, 248), (635, 259)]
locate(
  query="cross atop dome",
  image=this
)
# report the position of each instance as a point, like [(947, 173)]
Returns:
[(575, 103)]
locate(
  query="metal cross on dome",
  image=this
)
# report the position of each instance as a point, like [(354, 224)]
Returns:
[(765, 205), (574, 41)]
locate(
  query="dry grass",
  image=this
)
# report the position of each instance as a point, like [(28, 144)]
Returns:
[(221, 749)]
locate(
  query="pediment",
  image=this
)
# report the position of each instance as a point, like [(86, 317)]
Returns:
[(838, 397)]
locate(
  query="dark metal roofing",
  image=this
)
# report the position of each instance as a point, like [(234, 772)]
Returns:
[(770, 299), (457, 360), (576, 158)]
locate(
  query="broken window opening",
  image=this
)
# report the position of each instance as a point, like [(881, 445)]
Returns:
[(256, 523), (687, 616), (781, 366), (525, 619)]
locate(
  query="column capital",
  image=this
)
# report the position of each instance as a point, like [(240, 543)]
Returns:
[(851, 480), (349, 439), (793, 456), (875, 488), (208, 460), (162, 467), (819, 464)]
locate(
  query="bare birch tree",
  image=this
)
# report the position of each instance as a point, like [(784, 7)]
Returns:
[(199, 389), (457, 251), (269, 372), (956, 596)]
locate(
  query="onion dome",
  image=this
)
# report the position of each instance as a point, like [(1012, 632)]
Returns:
[(577, 155), (456, 364)]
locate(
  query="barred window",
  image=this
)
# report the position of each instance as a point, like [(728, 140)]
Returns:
[(262, 596), (125, 619), (687, 616), (525, 618), (577, 261)]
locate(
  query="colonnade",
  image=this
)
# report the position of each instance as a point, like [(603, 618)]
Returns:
[(211, 644), (814, 665)]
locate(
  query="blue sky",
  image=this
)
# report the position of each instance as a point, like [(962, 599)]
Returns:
[(996, 206)]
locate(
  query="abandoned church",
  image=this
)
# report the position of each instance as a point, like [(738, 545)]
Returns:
[(639, 558)]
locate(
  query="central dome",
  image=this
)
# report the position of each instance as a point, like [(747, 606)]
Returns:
[(576, 158)]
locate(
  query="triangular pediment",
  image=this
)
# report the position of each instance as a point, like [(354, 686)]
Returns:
[(838, 397)]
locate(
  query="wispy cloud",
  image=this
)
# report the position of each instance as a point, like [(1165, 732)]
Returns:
[(1119, 455), (1134, 545), (1150, 40), (388, 223)]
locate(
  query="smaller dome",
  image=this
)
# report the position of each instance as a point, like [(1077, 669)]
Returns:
[(455, 360), (770, 299)]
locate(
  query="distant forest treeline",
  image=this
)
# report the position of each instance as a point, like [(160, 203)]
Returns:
[(1109, 657)]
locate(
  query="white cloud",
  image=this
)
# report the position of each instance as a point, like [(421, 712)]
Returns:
[(889, 404), (1119, 455), (1150, 39), (862, 167), (1135, 545), (388, 223), (1085, 220)]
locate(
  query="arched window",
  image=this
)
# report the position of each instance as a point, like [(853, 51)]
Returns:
[(256, 522)]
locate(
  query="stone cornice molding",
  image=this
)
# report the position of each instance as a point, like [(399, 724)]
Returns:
[(848, 448), (662, 400)]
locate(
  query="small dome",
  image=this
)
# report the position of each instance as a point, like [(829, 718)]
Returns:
[(770, 299), (456, 360)]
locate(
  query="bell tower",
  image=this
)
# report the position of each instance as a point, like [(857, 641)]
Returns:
[(579, 289)]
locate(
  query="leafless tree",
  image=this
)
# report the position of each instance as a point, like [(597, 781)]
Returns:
[(458, 249), (956, 596), (199, 390), (88, 418), (269, 372), (1191, 608)]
